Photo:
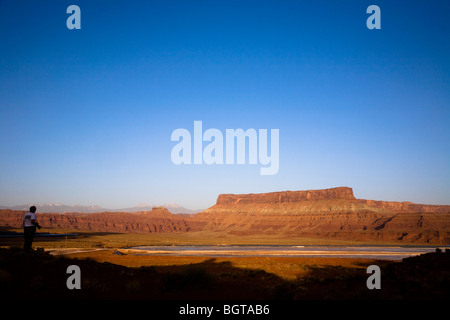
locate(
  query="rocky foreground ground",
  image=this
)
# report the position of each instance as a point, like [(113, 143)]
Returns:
[(110, 276)]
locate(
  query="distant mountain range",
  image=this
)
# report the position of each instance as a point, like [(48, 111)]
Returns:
[(61, 208)]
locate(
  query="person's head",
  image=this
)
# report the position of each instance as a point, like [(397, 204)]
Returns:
[(33, 209)]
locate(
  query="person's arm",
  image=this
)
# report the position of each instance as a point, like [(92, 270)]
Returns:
[(35, 223)]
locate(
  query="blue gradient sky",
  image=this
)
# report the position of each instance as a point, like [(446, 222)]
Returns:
[(87, 115)]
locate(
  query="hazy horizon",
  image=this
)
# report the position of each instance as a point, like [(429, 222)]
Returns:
[(87, 115), (172, 204)]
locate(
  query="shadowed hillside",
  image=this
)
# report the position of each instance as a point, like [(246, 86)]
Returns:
[(422, 277)]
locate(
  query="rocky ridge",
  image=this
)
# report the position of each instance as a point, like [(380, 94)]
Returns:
[(328, 213), (159, 219)]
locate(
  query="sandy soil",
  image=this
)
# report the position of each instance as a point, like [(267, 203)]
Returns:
[(284, 267), (108, 275)]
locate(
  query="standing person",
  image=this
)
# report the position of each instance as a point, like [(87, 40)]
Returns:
[(29, 228)]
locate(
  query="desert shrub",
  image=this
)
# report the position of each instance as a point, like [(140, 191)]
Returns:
[(283, 291), (197, 277), (171, 281), (6, 278), (190, 277), (38, 283), (133, 286), (255, 273), (149, 269), (94, 285)]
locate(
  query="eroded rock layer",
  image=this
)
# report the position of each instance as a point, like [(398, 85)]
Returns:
[(329, 213), (157, 220)]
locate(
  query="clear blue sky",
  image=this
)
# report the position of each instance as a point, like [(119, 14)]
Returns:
[(86, 115)]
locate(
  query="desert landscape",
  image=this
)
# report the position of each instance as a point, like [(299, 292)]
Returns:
[(187, 152), (105, 245), (328, 214)]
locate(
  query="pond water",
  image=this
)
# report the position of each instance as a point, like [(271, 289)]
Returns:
[(363, 252)]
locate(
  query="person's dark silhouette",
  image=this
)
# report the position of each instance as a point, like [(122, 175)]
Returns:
[(29, 228)]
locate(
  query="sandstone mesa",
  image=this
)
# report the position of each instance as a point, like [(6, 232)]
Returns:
[(332, 213)]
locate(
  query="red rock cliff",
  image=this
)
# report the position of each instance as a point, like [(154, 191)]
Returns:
[(157, 220), (341, 193), (329, 213)]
